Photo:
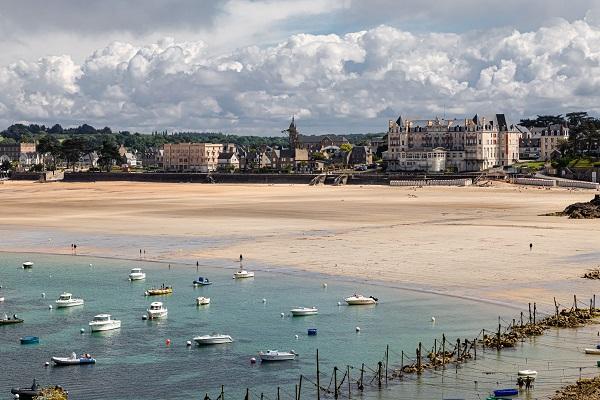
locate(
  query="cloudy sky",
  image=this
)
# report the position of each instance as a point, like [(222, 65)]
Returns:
[(246, 66)]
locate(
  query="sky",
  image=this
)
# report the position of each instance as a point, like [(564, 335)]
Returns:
[(338, 66)]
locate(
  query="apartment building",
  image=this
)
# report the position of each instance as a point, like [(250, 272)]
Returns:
[(191, 157)]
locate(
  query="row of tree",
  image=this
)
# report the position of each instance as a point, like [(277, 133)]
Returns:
[(70, 150)]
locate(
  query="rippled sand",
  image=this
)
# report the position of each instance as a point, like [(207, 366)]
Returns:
[(462, 241)]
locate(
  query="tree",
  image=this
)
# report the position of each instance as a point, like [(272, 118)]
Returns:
[(6, 166), (49, 144), (72, 149), (346, 147), (109, 153)]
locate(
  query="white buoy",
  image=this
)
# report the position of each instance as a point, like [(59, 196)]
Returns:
[(91, 265), (50, 307), (16, 396), (324, 285), (144, 317), (253, 360), (358, 329), (296, 336), (46, 363), (82, 330), (189, 343), (43, 295), (339, 303), (432, 319), (282, 315), (264, 300)]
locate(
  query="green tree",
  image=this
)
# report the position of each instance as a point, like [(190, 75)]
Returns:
[(109, 153), (72, 149), (346, 147), (49, 144)]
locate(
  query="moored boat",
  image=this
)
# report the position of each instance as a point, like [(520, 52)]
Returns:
[(527, 373), (202, 301), (67, 300), (215, 338), (157, 310), (137, 274), (27, 393), (505, 392), (74, 360), (6, 320), (275, 355), (242, 273), (202, 281), (104, 322), (360, 300), (302, 311), (27, 264), (159, 291), (592, 351), (29, 340)]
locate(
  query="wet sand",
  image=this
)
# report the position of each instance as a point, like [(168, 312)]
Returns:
[(471, 241)]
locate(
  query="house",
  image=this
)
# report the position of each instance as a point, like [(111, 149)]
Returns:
[(24, 153), (152, 158), (191, 157), (228, 162), (360, 155)]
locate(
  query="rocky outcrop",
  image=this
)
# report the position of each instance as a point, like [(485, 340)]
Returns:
[(584, 389), (584, 210)]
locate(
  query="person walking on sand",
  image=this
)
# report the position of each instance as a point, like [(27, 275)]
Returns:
[(75, 249), (530, 246), (241, 258)]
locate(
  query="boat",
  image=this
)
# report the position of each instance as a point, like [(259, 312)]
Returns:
[(1, 299), (156, 310), (6, 320), (360, 300), (242, 273), (27, 264), (275, 355), (506, 392), (202, 301), (67, 300), (74, 360), (215, 338), (527, 373), (27, 393), (202, 281), (592, 351), (302, 311), (104, 322), (159, 292), (29, 340), (136, 274)]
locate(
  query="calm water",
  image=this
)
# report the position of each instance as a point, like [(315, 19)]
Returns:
[(135, 362)]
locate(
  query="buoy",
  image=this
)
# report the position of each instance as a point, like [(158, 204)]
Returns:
[(168, 342), (16, 396), (144, 317), (50, 307), (189, 343), (82, 330), (339, 303), (43, 295), (282, 315), (91, 265), (296, 336), (358, 329), (264, 300), (253, 360), (46, 363), (324, 285), (432, 319)]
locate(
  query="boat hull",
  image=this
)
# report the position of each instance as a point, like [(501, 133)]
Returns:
[(73, 361), (10, 321), (105, 327), (243, 275), (268, 357), (202, 301), (30, 340), (303, 312), (207, 341), (360, 302), (592, 351), (157, 314), (137, 277), (158, 292), (27, 264), (66, 304)]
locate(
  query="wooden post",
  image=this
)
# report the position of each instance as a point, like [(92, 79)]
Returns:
[(335, 387), (349, 386), (318, 378), (475, 348), (278, 398), (590, 306), (457, 349), (296, 398), (261, 396), (529, 312), (247, 394), (222, 392), (362, 373), (498, 338), (594, 301), (402, 363), (521, 319), (466, 344), (419, 359), (379, 365), (387, 359), (534, 312), (300, 387), (483, 341), (555, 307), (443, 351), (435, 346), (575, 301)]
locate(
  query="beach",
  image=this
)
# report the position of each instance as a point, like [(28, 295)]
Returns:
[(461, 241)]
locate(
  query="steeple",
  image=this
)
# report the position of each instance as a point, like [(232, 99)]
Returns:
[(293, 135)]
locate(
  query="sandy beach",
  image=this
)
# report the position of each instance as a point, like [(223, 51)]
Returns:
[(471, 241)]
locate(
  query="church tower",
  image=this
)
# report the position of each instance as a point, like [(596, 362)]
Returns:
[(293, 135)]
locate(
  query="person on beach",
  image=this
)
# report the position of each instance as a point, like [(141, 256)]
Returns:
[(75, 249), (241, 258), (530, 246), (140, 253)]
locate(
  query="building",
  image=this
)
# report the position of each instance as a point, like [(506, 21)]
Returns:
[(315, 143), (550, 138), (152, 158), (296, 157), (468, 144), (360, 155), (24, 153), (191, 157), (228, 162)]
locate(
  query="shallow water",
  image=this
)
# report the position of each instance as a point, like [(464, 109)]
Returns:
[(135, 362)]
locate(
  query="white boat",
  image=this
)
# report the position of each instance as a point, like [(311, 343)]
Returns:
[(302, 311), (67, 300), (1, 299), (242, 273), (275, 355), (104, 322), (74, 360), (27, 264), (202, 301), (136, 274), (360, 300), (157, 310), (592, 351), (216, 338), (528, 372)]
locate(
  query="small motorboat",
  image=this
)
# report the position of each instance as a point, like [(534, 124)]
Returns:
[(202, 301), (275, 355), (27, 264), (136, 274), (302, 311), (215, 338), (157, 310), (202, 281), (27, 393), (592, 351), (6, 320), (159, 291), (29, 340), (527, 373), (242, 273), (104, 322), (67, 300), (360, 300), (505, 392), (74, 360), (1, 299)]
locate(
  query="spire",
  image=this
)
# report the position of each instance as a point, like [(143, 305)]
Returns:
[(293, 124), (476, 119), (399, 120)]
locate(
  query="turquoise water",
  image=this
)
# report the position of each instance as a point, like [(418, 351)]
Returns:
[(136, 362)]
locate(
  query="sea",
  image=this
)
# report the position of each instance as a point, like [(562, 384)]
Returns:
[(150, 359)]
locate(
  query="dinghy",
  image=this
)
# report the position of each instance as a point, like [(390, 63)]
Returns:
[(74, 360), (27, 264), (202, 281), (30, 340), (212, 339), (275, 355), (527, 373), (303, 311), (505, 392), (592, 351)]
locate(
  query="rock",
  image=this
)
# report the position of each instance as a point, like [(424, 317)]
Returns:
[(588, 210)]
